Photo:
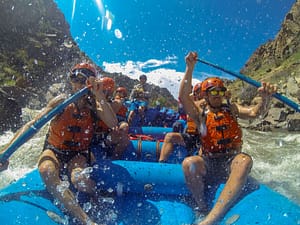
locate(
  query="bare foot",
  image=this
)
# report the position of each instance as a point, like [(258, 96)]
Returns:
[(200, 214), (207, 221)]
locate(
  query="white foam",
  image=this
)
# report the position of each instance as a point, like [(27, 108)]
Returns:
[(292, 138)]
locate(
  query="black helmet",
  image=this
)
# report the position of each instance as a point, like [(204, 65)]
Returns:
[(143, 76)]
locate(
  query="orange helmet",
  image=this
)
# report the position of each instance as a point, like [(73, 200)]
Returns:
[(197, 87), (122, 90), (85, 68), (212, 82), (197, 92), (108, 84)]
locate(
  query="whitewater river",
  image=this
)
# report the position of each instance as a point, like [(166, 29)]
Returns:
[(276, 157)]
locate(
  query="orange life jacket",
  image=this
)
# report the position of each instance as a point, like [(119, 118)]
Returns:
[(72, 129), (102, 127), (223, 132), (122, 113), (191, 126)]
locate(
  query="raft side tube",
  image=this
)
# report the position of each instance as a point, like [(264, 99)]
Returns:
[(123, 176), (155, 132)]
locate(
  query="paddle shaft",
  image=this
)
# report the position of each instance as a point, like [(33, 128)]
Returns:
[(255, 83), (26, 135)]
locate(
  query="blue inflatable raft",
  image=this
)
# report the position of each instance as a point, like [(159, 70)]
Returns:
[(138, 191)]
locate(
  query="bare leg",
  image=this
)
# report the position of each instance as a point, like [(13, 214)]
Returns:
[(168, 145), (81, 181), (194, 170), (240, 168), (49, 170), (120, 139), (130, 117)]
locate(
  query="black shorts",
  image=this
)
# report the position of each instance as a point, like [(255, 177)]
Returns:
[(192, 142), (217, 169), (65, 156)]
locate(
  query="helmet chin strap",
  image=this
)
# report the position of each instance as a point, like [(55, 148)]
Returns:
[(213, 106)]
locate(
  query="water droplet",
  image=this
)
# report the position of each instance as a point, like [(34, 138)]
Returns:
[(110, 190), (63, 186), (96, 166), (107, 200), (120, 189), (148, 187), (108, 138), (118, 34), (87, 206)]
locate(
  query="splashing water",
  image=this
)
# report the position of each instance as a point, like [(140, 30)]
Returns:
[(62, 187), (275, 154), (276, 160), (26, 157)]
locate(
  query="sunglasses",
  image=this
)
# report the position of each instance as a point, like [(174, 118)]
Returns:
[(217, 92), (78, 77)]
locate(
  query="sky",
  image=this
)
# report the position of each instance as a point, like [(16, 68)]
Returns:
[(153, 36)]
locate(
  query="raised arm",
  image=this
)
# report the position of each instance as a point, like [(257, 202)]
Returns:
[(261, 108), (103, 108), (116, 105), (185, 88)]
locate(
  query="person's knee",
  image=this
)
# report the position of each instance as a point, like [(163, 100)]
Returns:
[(46, 168), (78, 170), (243, 161), (168, 137), (124, 127), (172, 138), (194, 165), (48, 165), (78, 179), (186, 163), (246, 160)]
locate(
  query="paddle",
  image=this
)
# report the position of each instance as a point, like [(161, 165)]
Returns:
[(255, 83), (27, 134)]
